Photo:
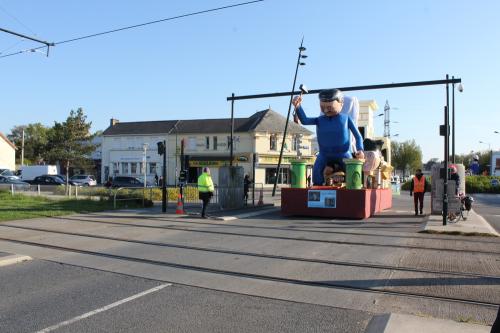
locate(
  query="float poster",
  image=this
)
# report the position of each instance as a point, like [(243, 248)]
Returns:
[(322, 199)]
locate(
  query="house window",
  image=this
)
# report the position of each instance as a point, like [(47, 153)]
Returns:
[(133, 168), (191, 143), (152, 168), (284, 176), (115, 168), (294, 143), (215, 143), (273, 142), (207, 142), (125, 168)]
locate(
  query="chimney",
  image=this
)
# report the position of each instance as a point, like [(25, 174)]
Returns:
[(113, 122)]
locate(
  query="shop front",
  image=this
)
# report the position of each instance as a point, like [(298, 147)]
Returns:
[(266, 169)]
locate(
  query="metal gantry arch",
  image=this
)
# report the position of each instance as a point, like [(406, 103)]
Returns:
[(444, 129)]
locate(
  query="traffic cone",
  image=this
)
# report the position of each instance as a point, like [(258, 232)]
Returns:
[(261, 197), (180, 206)]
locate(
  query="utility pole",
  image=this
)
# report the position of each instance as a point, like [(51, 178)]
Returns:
[(387, 120), (22, 150)]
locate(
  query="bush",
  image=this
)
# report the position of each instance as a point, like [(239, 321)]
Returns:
[(481, 184)]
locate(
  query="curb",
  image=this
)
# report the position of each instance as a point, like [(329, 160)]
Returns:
[(475, 225), (13, 259), (397, 323)]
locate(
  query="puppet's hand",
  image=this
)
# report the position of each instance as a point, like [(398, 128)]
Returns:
[(360, 155), (297, 100)]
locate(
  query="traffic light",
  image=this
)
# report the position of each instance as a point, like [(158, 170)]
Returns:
[(161, 147), (183, 176)]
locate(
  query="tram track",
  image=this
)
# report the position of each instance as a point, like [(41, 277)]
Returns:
[(262, 277), (260, 255), (300, 239), (307, 229)]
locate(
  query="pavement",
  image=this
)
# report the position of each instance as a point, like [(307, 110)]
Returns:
[(475, 225)]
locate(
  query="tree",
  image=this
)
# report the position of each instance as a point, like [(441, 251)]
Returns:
[(70, 142), (35, 141), (430, 163), (406, 156)]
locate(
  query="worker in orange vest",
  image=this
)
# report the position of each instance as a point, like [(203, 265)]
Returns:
[(418, 187)]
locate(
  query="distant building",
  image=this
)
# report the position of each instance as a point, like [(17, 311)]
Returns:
[(131, 148), (7, 153)]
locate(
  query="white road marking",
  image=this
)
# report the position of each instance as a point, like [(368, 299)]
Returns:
[(13, 259), (107, 307)]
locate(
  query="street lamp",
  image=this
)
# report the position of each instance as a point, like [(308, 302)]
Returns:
[(486, 143)]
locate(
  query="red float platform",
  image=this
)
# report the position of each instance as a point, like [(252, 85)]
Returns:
[(354, 204)]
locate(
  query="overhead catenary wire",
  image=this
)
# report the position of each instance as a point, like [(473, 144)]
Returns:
[(17, 20), (134, 26)]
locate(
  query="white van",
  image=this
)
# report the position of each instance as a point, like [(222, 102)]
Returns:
[(29, 172), (395, 180)]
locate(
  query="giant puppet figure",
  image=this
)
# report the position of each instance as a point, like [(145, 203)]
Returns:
[(333, 130)]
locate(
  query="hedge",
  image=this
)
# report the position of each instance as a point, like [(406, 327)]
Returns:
[(473, 184)]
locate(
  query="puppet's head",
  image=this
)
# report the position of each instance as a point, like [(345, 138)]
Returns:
[(331, 101)]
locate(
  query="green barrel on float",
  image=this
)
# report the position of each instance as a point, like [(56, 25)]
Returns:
[(298, 174), (353, 176)]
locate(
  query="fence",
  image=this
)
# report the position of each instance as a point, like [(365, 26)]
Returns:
[(257, 193)]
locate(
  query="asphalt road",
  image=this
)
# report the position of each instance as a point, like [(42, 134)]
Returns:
[(488, 206), (254, 274), (40, 295)]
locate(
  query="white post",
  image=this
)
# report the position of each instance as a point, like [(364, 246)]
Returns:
[(144, 161), (38, 189), (22, 150), (12, 189)]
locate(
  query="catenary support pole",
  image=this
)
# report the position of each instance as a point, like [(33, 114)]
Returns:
[(164, 183), (231, 140), (453, 121), (287, 119), (446, 153)]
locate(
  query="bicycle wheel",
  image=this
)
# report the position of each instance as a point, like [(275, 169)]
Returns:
[(462, 214), (452, 217)]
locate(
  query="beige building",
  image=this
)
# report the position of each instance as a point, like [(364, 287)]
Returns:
[(7, 153), (131, 148), (367, 109)]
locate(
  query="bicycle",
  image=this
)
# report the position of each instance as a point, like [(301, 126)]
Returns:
[(463, 209)]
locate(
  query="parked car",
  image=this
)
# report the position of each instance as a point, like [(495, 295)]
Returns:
[(9, 174), (126, 181), (48, 180), (84, 180), (18, 184)]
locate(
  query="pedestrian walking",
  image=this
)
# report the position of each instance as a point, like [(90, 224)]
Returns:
[(246, 187), (205, 190), (418, 187)]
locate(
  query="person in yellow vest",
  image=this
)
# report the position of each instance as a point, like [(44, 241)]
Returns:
[(418, 188), (205, 190)]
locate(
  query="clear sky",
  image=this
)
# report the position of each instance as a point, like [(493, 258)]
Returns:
[(185, 68)]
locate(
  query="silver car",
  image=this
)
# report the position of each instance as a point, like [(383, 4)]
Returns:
[(84, 180)]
